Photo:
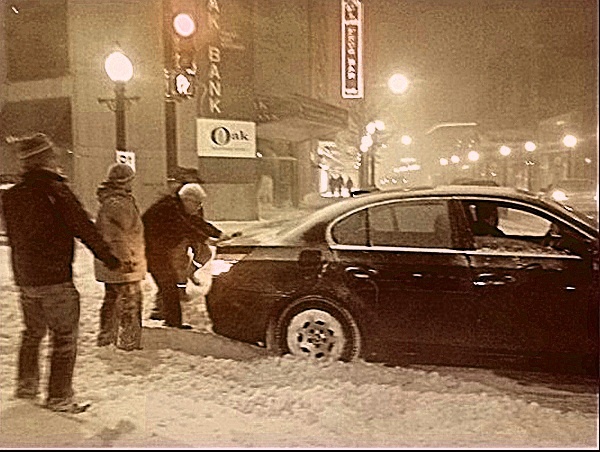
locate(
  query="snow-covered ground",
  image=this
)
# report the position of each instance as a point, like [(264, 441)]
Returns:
[(231, 395)]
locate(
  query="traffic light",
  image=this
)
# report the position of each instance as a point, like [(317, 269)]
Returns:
[(184, 29), (181, 68)]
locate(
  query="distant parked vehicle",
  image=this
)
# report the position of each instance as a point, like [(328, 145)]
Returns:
[(470, 181), (580, 194)]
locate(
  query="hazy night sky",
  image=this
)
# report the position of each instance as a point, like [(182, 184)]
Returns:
[(460, 53)]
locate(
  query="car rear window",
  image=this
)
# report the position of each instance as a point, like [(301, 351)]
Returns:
[(397, 224)]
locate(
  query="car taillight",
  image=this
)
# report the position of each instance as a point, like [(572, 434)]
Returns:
[(223, 263)]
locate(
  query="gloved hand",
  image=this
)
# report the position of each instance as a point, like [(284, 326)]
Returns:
[(112, 263), (225, 237)]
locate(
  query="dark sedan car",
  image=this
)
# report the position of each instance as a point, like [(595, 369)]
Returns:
[(433, 274)]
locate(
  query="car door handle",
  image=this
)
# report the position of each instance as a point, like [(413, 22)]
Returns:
[(361, 273), (492, 279), (530, 267)]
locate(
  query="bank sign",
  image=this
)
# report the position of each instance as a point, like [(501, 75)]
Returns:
[(225, 138), (352, 71)]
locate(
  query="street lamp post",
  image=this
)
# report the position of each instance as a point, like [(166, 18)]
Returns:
[(397, 84), (530, 146), (570, 142), (120, 70), (505, 152), (373, 128)]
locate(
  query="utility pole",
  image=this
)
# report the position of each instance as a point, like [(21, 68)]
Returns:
[(170, 103)]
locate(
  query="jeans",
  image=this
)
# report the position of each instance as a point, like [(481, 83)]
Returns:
[(166, 278), (54, 308), (121, 316)]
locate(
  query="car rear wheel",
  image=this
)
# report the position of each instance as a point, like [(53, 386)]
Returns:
[(315, 329)]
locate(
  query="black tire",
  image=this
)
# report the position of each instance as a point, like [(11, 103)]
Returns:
[(314, 328)]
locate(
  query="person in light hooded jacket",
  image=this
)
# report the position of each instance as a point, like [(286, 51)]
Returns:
[(121, 226)]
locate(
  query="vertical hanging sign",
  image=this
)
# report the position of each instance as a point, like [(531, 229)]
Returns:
[(226, 63), (352, 71)]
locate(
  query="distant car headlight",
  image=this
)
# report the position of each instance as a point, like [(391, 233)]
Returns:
[(559, 195)]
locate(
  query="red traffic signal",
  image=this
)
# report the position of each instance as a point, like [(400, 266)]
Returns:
[(184, 25)]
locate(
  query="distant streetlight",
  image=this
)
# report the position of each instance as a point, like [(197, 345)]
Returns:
[(406, 140), (455, 159), (444, 161), (120, 70), (569, 141), (530, 146), (473, 156), (505, 151), (398, 83)]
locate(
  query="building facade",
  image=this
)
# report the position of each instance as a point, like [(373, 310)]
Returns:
[(275, 70)]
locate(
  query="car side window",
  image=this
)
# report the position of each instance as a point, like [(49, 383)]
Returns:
[(410, 224), (513, 228), (351, 230)]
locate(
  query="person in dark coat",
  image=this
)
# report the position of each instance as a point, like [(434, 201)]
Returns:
[(170, 224), (189, 256), (349, 185), (43, 217), (120, 224)]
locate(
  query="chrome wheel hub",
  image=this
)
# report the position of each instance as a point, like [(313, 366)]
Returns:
[(315, 334)]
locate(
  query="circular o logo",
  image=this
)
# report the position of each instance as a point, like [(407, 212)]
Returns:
[(220, 136)]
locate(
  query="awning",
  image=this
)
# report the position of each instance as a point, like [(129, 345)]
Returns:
[(297, 118)]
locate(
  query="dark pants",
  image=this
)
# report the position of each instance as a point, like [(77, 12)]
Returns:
[(54, 308), (121, 316), (166, 278)]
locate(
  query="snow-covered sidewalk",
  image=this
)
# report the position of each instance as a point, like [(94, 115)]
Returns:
[(227, 394)]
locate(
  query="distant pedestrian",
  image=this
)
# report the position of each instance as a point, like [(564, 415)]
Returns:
[(349, 185), (121, 226), (265, 190), (43, 217), (171, 225), (330, 183), (339, 184)]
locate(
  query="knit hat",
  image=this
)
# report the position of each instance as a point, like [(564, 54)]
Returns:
[(120, 173), (31, 146), (192, 192)]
